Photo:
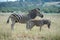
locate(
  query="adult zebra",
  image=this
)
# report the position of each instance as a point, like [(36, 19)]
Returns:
[(24, 18)]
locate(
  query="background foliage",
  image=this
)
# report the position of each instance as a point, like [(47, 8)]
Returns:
[(29, 5)]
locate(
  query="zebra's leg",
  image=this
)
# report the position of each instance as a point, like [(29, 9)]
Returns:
[(48, 25), (40, 27), (12, 25), (31, 25)]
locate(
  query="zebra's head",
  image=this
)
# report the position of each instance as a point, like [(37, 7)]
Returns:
[(29, 25), (38, 13), (35, 12)]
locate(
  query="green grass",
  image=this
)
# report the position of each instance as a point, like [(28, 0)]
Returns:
[(20, 32)]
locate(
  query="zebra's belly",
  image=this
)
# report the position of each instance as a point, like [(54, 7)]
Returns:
[(23, 21)]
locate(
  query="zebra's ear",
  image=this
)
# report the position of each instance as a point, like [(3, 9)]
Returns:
[(38, 9)]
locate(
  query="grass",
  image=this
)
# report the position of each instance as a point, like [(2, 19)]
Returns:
[(20, 32)]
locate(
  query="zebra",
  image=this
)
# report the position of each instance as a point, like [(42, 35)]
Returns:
[(33, 22), (18, 18)]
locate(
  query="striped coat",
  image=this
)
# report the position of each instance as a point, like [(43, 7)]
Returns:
[(23, 18), (31, 23)]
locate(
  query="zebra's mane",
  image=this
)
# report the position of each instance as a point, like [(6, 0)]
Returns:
[(32, 13)]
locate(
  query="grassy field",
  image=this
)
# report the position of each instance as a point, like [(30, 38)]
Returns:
[(20, 32)]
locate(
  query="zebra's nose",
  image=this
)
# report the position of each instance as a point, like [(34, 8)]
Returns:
[(42, 16)]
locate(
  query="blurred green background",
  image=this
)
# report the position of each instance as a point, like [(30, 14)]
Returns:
[(46, 6)]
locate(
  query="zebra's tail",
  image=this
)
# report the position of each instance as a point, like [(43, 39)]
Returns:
[(8, 19)]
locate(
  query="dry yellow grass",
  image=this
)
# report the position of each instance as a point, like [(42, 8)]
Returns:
[(20, 32)]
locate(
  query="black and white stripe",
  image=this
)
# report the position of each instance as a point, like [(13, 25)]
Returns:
[(23, 18), (33, 22)]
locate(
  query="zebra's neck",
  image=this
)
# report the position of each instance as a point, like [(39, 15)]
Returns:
[(32, 15)]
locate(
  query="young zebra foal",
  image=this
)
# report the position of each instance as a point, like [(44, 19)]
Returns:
[(31, 23)]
